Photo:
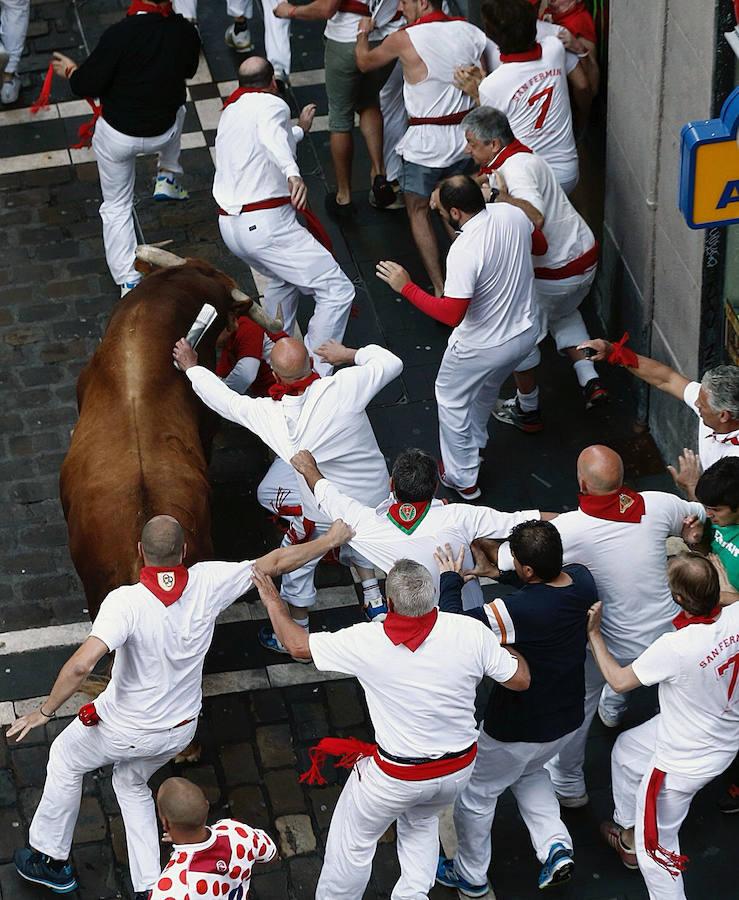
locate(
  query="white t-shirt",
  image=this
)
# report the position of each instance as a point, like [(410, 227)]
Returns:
[(219, 866), (535, 96), (490, 264), (629, 564), (329, 419), (422, 703), (529, 177), (380, 541), (711, 446), (255, 151), (697, 669), (543, 29), (342, 26), (156, 682)]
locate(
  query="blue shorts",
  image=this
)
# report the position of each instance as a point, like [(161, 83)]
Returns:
[(421, 180)]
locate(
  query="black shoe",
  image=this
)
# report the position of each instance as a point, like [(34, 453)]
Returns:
[(509, 412), (594, 393), (729, 803), (57, 875), (339, 210), (382, 194)]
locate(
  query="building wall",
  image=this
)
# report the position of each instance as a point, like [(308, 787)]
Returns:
[(661, 57)]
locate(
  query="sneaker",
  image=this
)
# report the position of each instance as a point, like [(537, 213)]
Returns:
[(10, 91), (612, 834), (594, 393), (381, 196), (730, 802), (509, 412), (339, 210), (166, 187), (239, 40), (558, 867), (376, 609), (446, 875), (573, 802), (606, 719), (468, 493), (128, 286), (269, 640), (41, 869), (399, 201)]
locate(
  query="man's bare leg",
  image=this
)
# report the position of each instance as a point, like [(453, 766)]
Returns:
[(422, 230), (342, 151), (370, 124)]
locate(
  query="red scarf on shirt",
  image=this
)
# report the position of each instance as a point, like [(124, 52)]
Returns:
[(512, 149), (166, 582), (141, 6), (623, 505), (239, 92), (724, 440), (527, 56), (294, 388), (682, 619), (407, 515), (409, 630), (436, 16)]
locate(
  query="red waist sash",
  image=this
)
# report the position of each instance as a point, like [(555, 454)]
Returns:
[(575, 267), (312, 222), (451, 119), (355, 6)]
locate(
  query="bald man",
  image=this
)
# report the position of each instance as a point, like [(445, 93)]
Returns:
[(325, 416), (619, 534), (258, 189), (205, 860), (160, 630)]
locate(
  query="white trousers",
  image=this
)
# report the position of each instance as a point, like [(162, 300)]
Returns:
[(369, 803), (276, 246), (135, 756), (234, 8), (467, 386), (559, 301), (278, 488), (116, 158), (566, 768), (632, 762), (567, 175), (520, 767), (394, 121), (276, 39), (14, 15)]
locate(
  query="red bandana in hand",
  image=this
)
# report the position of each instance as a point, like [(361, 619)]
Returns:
[(624, 505), (674, 863), (408, 516), (141, 6), (294, 388), (166, 582), (409, 630), (682, 619)]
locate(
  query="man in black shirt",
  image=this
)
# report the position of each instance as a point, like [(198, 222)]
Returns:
[(547, 621), (138, 71)]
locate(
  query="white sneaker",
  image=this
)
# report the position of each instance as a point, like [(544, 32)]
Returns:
[(166, 187), (10, 90), (4, 57), (128, 286), (240, 41)]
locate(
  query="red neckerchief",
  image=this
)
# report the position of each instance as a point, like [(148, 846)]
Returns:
[(623, 505), (141, 6), (166, 582), (436, 16), (507, 152), (239, 92), (294, 388), (407, 515), (682, 619), (527, 56), (724, 440), (409, 630)]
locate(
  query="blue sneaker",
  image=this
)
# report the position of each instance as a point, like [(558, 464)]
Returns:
[(558, 867), (376, 610), (269, 640), (40, 869), (169, 188), (446, 875)]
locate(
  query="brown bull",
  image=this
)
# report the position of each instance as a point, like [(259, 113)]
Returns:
[(141, 444)]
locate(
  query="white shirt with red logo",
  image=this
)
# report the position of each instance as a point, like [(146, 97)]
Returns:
[(218, 867), (697, 669), (711, 446), (543, 29), (534, 94)]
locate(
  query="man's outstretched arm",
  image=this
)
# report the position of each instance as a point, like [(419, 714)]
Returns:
[(655, 373), (287, 559), (292, 636)]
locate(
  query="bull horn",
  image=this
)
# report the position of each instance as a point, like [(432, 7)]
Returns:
[(155, 256), (256, 312)]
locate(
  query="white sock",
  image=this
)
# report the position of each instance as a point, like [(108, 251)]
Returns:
[(585, 371), (302, 622), (528, 402), (371, 590)]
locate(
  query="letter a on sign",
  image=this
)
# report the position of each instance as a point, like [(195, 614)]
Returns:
[(730, 195)]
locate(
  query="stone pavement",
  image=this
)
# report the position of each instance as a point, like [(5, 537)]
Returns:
[(260, 714)]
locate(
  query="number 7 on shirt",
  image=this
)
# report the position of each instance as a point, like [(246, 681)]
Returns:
[(547, 95), (733, 664)]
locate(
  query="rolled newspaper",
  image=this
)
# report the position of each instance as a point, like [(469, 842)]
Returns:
[(205, 318)]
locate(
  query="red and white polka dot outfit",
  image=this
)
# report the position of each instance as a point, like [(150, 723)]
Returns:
[(220, 866)]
